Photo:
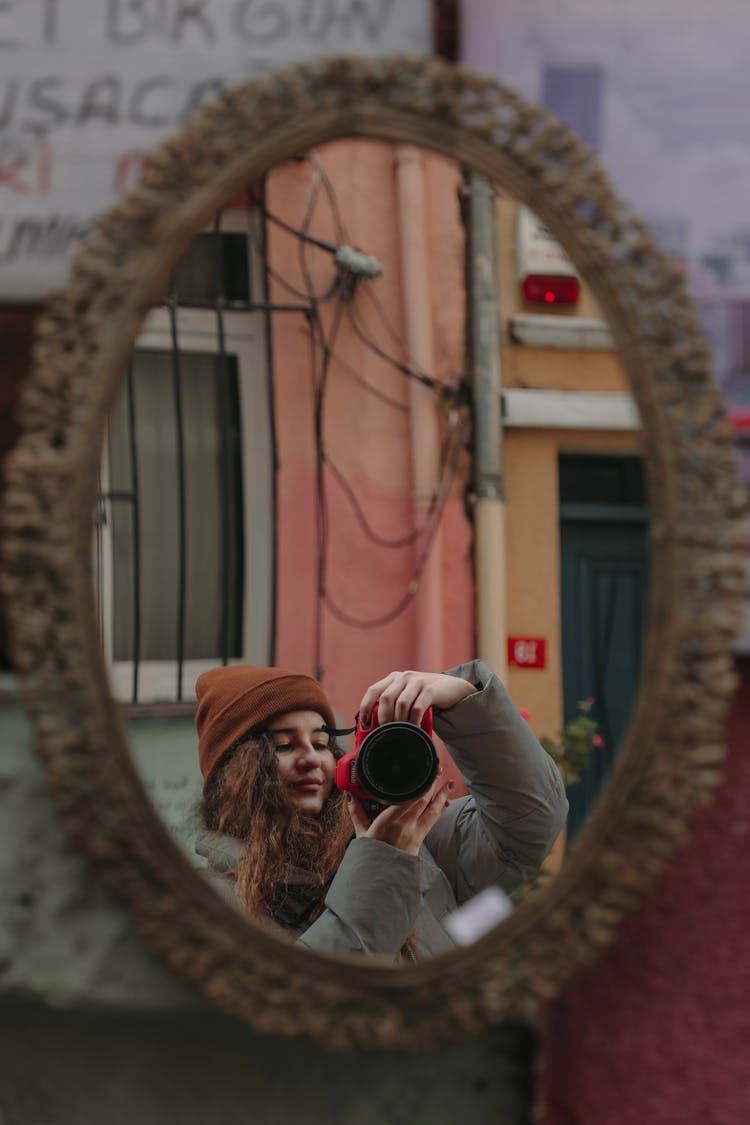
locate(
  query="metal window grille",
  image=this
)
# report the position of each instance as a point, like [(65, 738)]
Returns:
[(171, 565)]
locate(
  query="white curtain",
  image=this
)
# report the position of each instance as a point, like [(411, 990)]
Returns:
[(213, 536)]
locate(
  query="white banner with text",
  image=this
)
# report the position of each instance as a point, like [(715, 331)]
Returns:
[(88, 87)]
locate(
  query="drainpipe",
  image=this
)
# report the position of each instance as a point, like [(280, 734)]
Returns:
[(423, 413), (489, 513)]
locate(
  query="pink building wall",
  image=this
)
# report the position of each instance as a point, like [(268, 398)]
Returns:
[(365, 436)]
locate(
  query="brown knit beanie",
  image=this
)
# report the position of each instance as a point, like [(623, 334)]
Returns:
[(238, 698)]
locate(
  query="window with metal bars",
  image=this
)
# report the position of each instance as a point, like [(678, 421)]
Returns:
[(187, 475)]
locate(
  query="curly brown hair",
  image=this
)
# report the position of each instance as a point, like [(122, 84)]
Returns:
[(244, 798)]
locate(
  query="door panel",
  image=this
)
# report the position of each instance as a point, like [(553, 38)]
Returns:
[(604, 591)]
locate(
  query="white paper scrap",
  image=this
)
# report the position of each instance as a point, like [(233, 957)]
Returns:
[(474, 918)]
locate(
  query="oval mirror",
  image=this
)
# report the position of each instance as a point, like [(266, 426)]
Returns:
[(255, 501), (696, 554)]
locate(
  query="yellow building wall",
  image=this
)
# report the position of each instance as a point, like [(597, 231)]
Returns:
[(530, 465), (530, 476), (546, 368)]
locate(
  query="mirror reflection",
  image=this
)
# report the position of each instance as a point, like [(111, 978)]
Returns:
[(377, 423)]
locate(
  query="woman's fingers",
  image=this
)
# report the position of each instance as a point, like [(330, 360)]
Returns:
[(359, 817), (407, 695), (397, 697), (405, 826), (385, 693), (437, 804)]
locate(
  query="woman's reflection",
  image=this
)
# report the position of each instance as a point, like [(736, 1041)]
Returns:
[(306, 856)]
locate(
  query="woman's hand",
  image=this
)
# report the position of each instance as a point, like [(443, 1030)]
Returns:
[(402, 826), (407, 695)]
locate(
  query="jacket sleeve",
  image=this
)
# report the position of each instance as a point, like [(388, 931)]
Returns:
[(517, 806), (373, 901)]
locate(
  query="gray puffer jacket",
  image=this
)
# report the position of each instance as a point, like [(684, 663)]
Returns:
[(499, 834)]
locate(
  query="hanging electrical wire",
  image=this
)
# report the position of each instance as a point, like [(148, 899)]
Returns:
[(258, 202), (372, 390), (351, 271), (341, 232), (369, 295), (414, 535), (413, 584), (445, 389)]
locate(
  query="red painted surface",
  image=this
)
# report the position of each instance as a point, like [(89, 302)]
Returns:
[(527, 652), (740, 420), (657, 1032)]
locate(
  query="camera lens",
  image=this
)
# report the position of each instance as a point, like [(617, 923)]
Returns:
[(396, 762)]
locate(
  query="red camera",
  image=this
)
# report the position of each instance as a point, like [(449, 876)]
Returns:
[(391, 763)]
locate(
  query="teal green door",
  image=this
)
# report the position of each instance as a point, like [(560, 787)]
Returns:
[(604, 580)]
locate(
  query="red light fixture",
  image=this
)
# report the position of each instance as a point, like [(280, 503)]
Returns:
[(545, 271), (551, 289)]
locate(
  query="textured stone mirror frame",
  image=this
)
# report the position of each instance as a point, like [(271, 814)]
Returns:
[(673, 753)]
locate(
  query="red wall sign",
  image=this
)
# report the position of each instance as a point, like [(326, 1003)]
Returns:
[(527, 652)]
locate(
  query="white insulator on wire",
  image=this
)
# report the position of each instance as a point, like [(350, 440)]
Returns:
[(356, 263)]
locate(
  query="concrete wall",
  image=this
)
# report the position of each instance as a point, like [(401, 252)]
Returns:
[(95, 1032), (107, 1068), (165, 753)]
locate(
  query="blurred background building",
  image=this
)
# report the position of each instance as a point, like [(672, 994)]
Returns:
[(300, 469)]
